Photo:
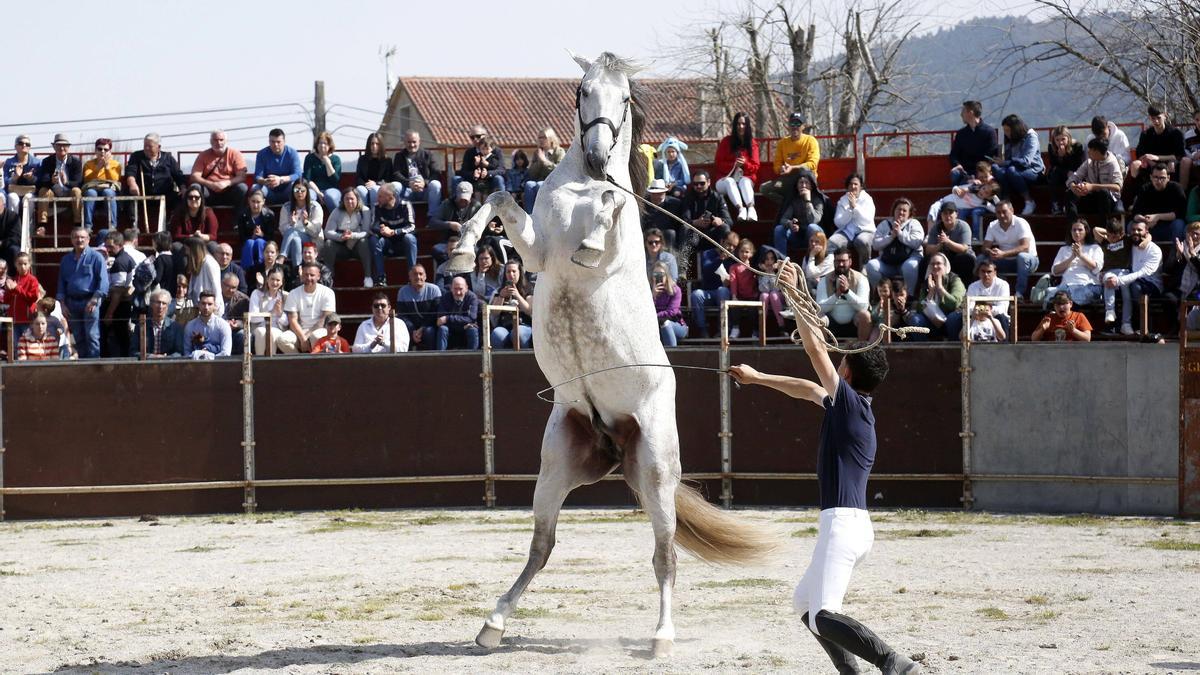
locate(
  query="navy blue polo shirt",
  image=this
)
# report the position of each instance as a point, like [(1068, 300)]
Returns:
[(847, 449)]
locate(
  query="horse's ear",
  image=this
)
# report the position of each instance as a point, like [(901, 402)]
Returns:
[(583, 63)]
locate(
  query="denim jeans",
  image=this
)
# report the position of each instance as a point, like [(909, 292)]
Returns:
[(401, 244), (785, 240), (495, 183), (277, 196), (1131, 295), (502, 337), (252, 252), (293, 244), (468, 335), (530, 196), (877, 269), (89, 208), (85, 328), (331, 199), (432, 193), (368, 196), (1081, 294), (1165, 230), (671, 333), (701, 299), (1023, 264), (1014, 181)]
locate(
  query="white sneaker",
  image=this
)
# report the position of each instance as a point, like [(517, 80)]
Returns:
[(788, 314), (1028, 208), (1126, 329), (735, 333), (1110, 316), (368, 282), (752, 214)]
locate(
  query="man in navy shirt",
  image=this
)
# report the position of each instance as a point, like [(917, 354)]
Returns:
[(845, 456), (82, 284), (973, 143)]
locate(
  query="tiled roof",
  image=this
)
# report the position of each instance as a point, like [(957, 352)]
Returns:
[(515, 109)]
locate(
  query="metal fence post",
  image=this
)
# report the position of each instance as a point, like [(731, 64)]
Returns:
[(249, 502), (3, 443), (489, 432), (967, 436), (726, 433)]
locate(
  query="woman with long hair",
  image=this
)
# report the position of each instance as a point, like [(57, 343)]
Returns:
[(485, 278), (374, 169), (256, 225), (300, 221), (346, 235), (737, 164), (667, 296), (269, 299), (514, 292), (323, 170), (817, 262), (192, 218), (1065, 155), (547, 156), (1022, 164), (204, 272), (1078, 262)]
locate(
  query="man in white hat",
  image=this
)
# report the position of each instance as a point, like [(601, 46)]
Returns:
[(657, 220), (60, 175)]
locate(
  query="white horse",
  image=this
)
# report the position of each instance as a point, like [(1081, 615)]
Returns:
[(593, 309)]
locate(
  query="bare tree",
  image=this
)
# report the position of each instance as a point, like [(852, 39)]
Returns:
[(801, 39), (758, 68)]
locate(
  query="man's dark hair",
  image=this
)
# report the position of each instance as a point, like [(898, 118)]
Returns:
[(975, 107), (115, 238), (1153, 110), (1099, 124), (842, 251), (131, 235), (276, 133), (867, 369), (1161, 166), (380, 296), (162, 241), (208, 294), (313, 265), (1099, 145), (697, 174)]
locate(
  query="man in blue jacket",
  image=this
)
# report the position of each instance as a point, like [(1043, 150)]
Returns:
[(82, 284), (458, 312), (276, 167)]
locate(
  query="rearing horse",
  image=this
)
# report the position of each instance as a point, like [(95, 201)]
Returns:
[(593, 309)]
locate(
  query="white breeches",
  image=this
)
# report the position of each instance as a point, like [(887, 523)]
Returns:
[(844, 538)]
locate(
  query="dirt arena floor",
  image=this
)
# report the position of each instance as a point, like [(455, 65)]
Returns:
[(406, 591)]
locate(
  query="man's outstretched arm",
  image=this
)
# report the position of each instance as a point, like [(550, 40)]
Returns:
[(792, 386)]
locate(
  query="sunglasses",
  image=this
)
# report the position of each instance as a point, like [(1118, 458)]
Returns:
[(23, 144), (103, 149), (193, 198), (475, 137), (300, 188), (379, 305), (654, 242)]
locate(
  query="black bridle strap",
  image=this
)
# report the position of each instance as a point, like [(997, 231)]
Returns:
[(584, 126)]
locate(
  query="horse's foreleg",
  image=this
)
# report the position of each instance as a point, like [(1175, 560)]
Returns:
[(591, 249), (656, 475), (518, 225)]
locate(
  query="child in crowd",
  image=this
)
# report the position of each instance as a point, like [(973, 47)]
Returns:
[(768, 289), (516, 174), (672, 166), (37, 343), (742, 283), (973, 204), (984, 327), (332, 343)]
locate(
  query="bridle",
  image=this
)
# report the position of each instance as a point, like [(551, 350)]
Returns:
[(585, 126)]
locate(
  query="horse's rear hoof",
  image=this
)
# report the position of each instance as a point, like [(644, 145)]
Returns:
[(461, 262), (586, 257), (663, 648), (489, 638)]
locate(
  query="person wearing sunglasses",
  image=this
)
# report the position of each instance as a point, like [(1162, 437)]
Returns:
[(101, 177), (482, 164), (656, 252), (375, 335), (20, 173)]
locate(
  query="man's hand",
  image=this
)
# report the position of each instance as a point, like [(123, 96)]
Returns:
[(1148, 158), (417, 335), (1044, 325), (942, 238), (91, 306), (788, 274), (744, 374), (417, 184), (386, 231), (1111, 282), (843, 285), (441, 321)]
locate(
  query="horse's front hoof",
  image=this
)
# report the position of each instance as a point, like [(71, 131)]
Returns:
[(460, 262), (663, 648), (586, 257), (489, 637)]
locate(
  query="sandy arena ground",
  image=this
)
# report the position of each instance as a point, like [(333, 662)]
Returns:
[(406, 591)]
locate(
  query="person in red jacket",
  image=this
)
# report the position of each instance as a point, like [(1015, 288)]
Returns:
[(193, 218), (22, 290), (737, 164)]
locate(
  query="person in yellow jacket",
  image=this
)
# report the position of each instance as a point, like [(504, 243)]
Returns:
[(101, 177), (797, 151)]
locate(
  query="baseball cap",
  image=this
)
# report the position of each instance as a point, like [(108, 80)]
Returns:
[(795, 120), (333, 318), (466, 189)]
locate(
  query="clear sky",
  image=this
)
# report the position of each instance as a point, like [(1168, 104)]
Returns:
[(94, 60)]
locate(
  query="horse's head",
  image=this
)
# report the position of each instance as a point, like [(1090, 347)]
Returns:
[(602, 107)]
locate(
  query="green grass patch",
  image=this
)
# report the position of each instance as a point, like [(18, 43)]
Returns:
[(434, 519), (341, 524), (1037, 599), (317, 616), (71, 542), (1174, 545), (993, 613), (201, 549), (462, 587), (806, 532), (742, 583), (614, 517), (1046, 615), (918, 533), (9, 573), (431, 616), (365, 640), (530, 613), (1079, 597)]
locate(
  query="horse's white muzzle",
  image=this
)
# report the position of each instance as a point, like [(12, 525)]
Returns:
[(596, 160)]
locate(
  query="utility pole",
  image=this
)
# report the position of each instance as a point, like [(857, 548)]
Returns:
[(386, 56), (318, 107)]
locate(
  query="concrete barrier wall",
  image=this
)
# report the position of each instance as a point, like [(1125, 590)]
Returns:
[(1108, 409)]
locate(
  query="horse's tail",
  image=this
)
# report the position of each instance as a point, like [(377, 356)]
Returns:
[(716, 536)]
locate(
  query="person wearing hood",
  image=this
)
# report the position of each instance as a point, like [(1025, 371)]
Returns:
[(801, 216), (672, 166)]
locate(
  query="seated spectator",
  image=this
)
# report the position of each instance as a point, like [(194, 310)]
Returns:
[(802, 214), (256, 225), (667, 298), (796, 151), (117, 307), (1095, 187), (1160, 142), (182, 308), (704, 209), (971, 203), (82, 284), (513, 292), (208, 335), (742, 283), (1022, 164), (164, 337), (547, 156), (21, 290), (1142, 280), (898, 240), (277, 169), (655, 253), (950, 236), (101, 178), (1183, 270), (308, 307), (941, 295), (332, 342), (220, 171), (392, 230), (193, 218), (10, 232), (301, 221), (377, 334), (1161, 205), (768, 288), (890, 305), (452, 214), (417, 306), (712, 291), (485, 278), (309, 256), (737, 164), (1064, 155), (854, 219), (656, 193), (984, 327), (38, 343), (374, 169), (844, 296), (458, 314), (237, 304), (817, 262), (414, 174), (1010, 245), (346, 234), (988, 285), (482, 164), (151, 172), (268, 298), (60, 175), (204, 272), (20, 173), (1078, 262), (322, 170), (1191, 148), (270, 259), (974, 143), (516, 174), (672, 166), (1115, 140), (1063, 324)]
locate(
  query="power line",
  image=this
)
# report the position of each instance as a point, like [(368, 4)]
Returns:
[(166, 114), (204, 132), (350, 107)]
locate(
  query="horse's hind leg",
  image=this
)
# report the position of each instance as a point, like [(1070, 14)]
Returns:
[(654, 473), (568, 461)]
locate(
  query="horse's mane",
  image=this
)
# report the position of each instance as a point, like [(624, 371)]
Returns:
[(639, 178)]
